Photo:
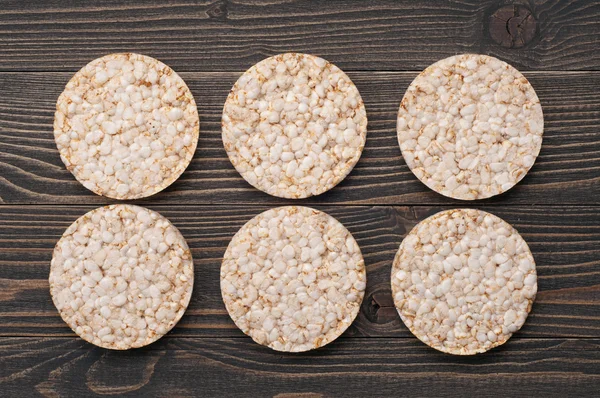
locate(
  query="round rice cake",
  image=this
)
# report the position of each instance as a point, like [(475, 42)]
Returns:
[(294, 125), (463, 281), (470, 126), (121, 276), (126, 126), (293, 279)]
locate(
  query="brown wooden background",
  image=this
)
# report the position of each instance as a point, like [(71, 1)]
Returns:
[(381, 45)]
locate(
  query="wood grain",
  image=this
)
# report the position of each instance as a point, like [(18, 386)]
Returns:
[(360, 367), (567, 171), (217, 35), (382, 45), (564, 241)]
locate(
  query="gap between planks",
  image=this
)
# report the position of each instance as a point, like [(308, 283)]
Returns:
[(467, 204), (341, 338), (374, 71)]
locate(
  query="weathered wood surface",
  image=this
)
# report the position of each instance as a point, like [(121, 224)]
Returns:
[(237, 367), (566, 172), (234, 34), (564, 241), (382, 45)]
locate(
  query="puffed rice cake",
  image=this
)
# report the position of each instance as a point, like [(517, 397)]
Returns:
[(126, 126), (463, 281), (293, 279), (294, 125), (470, 126), (121, 276)]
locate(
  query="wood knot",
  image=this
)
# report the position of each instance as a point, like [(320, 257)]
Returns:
[(379, 307), (512, 26), (218, 11)]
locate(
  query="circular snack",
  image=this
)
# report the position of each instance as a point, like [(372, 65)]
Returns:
[(121, 276), (294, 125), (463, 281), (293, 279), (470, 126), (126, 126)]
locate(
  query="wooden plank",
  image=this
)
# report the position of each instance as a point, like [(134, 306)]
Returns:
[(215, 35), (564, 241), (357, 367), (210, 42), (566, 172)]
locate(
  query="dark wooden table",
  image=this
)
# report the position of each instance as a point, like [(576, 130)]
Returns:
[(381, 45)]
